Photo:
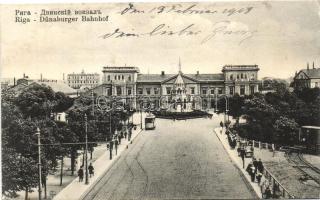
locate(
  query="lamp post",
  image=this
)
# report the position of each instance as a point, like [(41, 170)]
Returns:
[(141, 119), (39, 161), (227, 109), (86, 148)]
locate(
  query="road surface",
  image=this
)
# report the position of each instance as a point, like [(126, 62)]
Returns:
[(177, 160)]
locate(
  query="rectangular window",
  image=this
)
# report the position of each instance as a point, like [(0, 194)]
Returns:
[(220, 91), (316, 84), (156, 90), (204, 90), (192, 90), (242, 90), (252, 89), (148, 90), (212, 91), (119, 91), (129, 92), (168, 90), (140, 91), (231, 90)]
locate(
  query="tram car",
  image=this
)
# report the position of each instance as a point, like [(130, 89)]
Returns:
[(309, 137), (149, 122)]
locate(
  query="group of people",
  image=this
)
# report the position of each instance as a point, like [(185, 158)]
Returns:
[(255, 170), (232, 139), (81, 173)]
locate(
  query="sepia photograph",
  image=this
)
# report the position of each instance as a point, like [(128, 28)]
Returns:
[(160, 100)]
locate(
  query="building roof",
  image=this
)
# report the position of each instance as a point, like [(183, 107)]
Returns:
[(116, 69), (240, 68), (312, 73), (59, 87), (155, 78), (206, 77), (55, 86)]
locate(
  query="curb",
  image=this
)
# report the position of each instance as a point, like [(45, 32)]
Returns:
[(85, 193), (243, 177)]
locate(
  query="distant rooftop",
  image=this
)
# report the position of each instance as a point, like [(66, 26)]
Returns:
[(240, 67), (120, 69), (312, 73)]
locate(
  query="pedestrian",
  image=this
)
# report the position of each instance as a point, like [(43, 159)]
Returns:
[(111, 148), (242, 154), (259, 176), (130, 133), (119, 137), (255, 164), (80, 174), (125, 134), (252, 173), (260, 166), (248, 169), (221, 124), (91, 170), (268, 193)]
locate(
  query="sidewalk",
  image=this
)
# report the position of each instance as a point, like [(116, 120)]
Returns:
[(233, 154), (77, 190)]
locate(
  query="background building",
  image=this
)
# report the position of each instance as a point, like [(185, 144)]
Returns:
[(128, 83), (83, 80), (307, 78)]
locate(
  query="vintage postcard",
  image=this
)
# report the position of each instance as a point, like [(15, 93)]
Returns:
[(160, 100)]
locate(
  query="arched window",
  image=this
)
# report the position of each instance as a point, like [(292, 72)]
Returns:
[(231, 77), (241, 75), (129, 78), (237, 76), (108, 77), (122, 77)]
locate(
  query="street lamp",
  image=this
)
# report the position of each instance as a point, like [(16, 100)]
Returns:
[(39, 161), (86, 148)]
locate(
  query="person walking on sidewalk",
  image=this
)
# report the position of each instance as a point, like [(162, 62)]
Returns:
[(260, 166), (91, 170), (242, 154), (80, 174), (255, 164)]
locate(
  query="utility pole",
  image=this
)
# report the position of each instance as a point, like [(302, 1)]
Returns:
[(39, 161), (141, 119), (86, 150), (216, 102), (92, 96)]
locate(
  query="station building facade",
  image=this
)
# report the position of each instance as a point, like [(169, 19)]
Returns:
[(127, 82)]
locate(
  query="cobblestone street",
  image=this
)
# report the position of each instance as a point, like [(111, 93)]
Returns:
[(179, 159)]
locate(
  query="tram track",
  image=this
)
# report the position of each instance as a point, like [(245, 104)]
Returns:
[(310, 171)]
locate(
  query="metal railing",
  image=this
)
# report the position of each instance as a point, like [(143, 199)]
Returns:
[(278, 190)]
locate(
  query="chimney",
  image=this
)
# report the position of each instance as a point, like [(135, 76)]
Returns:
[(313, 65), (24, 75), (14, 81), (307, 66), (63, 77), (162, 73), (197, 72), (41, 77)]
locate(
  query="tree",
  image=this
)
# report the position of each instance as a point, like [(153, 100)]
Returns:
[(285, 131)]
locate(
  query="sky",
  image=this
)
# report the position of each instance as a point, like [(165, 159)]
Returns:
[(280, 37)]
